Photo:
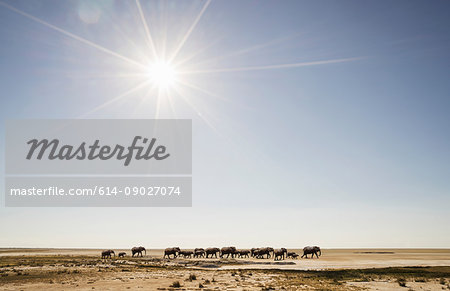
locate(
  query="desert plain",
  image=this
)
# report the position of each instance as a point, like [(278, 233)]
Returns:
[(336, 269)]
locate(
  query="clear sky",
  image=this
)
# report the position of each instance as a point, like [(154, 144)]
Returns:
[(314, 122)]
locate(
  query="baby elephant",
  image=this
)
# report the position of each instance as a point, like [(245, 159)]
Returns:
[(292, 255), (122, 254), (199, 253)]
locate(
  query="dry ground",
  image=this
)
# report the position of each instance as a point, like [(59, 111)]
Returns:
[(83, 270)]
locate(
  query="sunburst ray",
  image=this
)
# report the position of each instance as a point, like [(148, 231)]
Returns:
[(117, 98), (188, 33), (73, 36), (272, 67), (147, 30)]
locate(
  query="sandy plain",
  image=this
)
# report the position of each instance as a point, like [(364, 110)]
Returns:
[(336, 269)]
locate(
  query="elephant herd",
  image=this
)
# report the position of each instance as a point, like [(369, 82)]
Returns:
[(225, 252)]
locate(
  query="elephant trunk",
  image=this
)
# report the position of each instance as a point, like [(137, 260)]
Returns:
[(320, 252), (145, 251)]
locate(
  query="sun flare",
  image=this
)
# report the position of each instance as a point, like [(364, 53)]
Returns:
[(166, 70), (162, 74)]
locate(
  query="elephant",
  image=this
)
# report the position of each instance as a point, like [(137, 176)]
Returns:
[(199, 253), (122, 254), (227, 251), (185, 254), (280, 254), (171, 251), (107, 254), (292, 255), (138, 251), (315, 250), (261, 252), (243, 253), (212, 252), (258, 253), (253, 251)]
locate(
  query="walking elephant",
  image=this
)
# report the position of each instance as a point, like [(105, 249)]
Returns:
[(280, 254), (122, 254), (185, 254), (261, 252), (199, 253), (315, 250), (227, 251), (171, 251), (212, 252), (107, 254), (243, 253), (138, 251)]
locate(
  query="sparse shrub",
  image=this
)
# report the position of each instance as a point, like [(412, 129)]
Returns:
[(192, 277), (420, 280), (175, 284), (401, 282), (200, 285), (442, 281), (206, 281)]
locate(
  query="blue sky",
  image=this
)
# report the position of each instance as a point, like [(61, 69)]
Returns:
[(347, 146)]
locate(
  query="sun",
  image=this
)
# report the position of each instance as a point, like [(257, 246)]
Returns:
[(162, 74)]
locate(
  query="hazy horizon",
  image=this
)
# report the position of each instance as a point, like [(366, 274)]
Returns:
[(314, 123)]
